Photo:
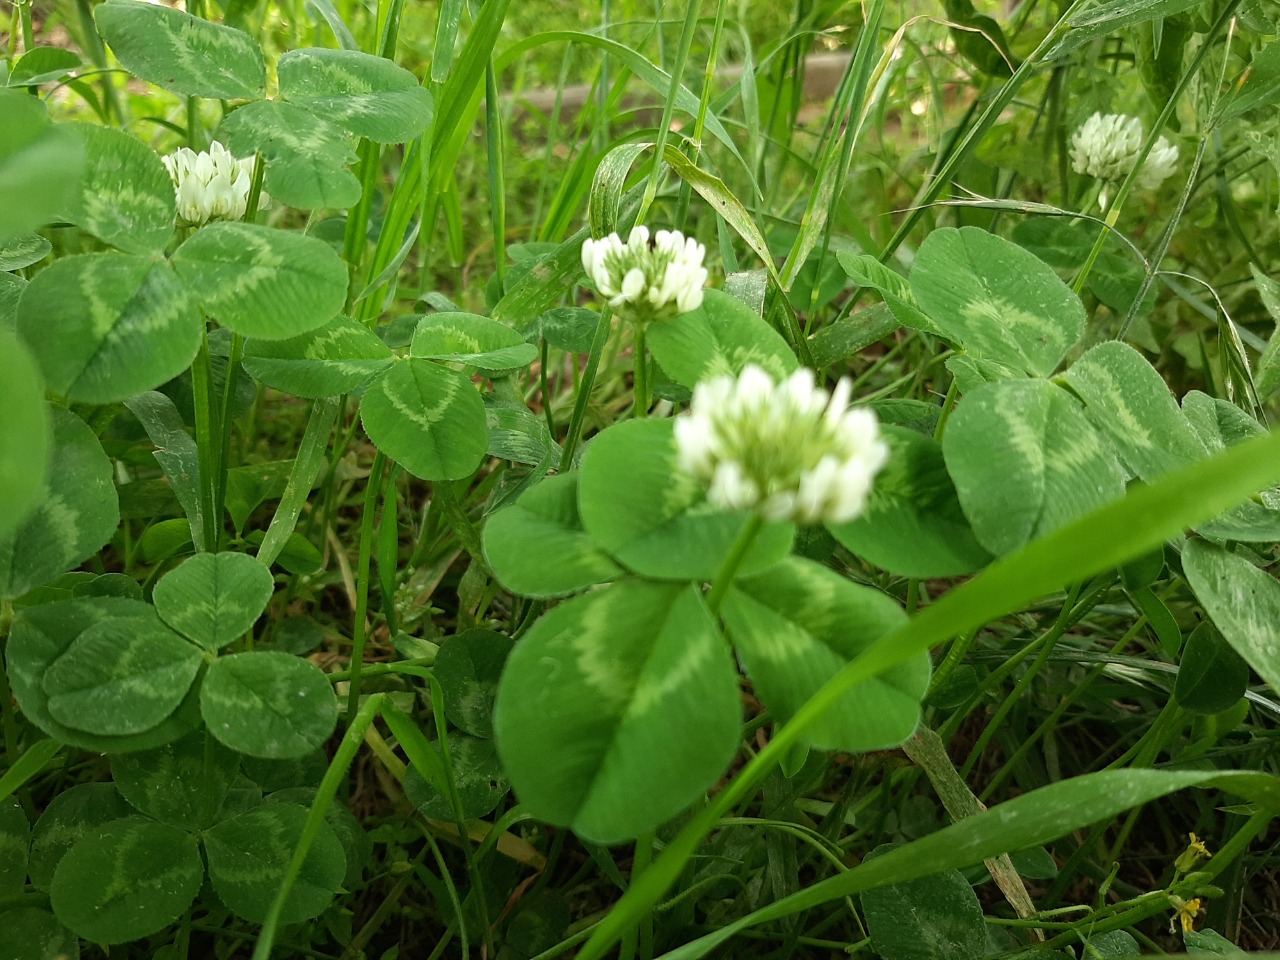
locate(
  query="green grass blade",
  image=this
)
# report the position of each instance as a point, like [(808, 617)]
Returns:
[(27, 766)]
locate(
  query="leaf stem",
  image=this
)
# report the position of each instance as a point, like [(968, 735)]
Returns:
[(641, 358), (732, 561), (598, 342), (359, 627)]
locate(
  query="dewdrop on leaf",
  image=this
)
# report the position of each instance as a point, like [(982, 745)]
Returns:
[(211, 185), (786, 450), (649, 279)]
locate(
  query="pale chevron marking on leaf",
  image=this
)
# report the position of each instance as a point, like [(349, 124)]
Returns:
[(103, 313), (995, 324), (63, 521), (126, 209), (610, 676), (653, 687), (195, 43), (422, 415), (309, 71)]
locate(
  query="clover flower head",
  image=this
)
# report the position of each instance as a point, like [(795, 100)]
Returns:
[(654, 277), (212, 184), (1106, 147), (786, 450), (1160, 164)]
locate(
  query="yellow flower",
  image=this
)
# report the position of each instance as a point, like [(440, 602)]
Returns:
[(1187, 912), (1195, 852), (1197, 846)]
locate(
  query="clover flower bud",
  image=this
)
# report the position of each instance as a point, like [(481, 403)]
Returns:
[(651, 279), (211, 185), (786, 450)]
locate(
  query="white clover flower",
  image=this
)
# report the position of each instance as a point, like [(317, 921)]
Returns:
[(211, 185), (1160, 165), (786, 450), (656, 278), (1107, 147)]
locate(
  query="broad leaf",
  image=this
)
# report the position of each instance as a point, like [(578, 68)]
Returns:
[(1026, 461), (29, 933), (428, 418), (996, 300), (76, 812), (214, 598), (1126, 400), (913, 525), (105, 326), (23, 251), (307, 157), (467, 668), (15, 843), (125, 197), (719, 338), (369, 96), (928, 918), (183, 784), (76, 514), (261, 282), (326, 362), (1211, 675), (478, 779), (618, 709), (24, 434), (40, 165), (637, 504), (537, 546), (1242, 601), (268, 704), (1220, 424), (249, 854), (472, 340), (121, 676), (39, 638), (182, 53), (40, 65), (798, 623), (128, 880)]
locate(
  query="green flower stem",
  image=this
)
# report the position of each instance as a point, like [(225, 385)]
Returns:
[(732, 561), (226, 414), (642, 397), (598, 343), (358, 628), (328, 789), (208, 446)]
